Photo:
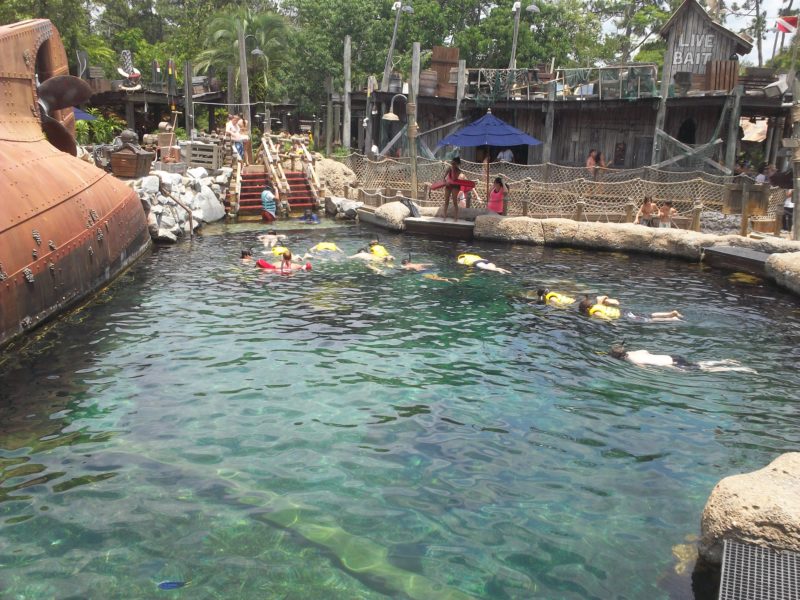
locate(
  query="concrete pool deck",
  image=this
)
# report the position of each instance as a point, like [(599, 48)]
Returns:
[(781, 263)]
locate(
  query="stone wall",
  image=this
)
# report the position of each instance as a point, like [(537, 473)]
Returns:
[(201, 192), (783, 266)]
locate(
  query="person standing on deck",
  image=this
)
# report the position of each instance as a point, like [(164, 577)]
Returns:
[(591, 163), (452, 187), (497, 197)]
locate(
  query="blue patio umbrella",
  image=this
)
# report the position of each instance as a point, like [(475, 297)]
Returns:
[(488, 131), (81, 115)]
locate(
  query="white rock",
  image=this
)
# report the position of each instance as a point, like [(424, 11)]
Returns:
[(165, 235), (222, 179), (225, 171), (150, 184), (167, 220), (762, 507), (197, 172), (198, 217), (152, 225), (212, 208)]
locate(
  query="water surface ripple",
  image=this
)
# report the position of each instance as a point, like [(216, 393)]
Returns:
[(453, 431)]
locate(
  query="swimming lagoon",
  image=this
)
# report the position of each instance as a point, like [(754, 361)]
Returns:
[(348, 434)]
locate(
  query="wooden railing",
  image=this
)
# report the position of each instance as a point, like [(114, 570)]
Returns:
[(272, 161)]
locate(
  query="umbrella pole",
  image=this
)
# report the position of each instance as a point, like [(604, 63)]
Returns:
[(486, 173)]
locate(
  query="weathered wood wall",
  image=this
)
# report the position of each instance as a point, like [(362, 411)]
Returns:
[(578, 130), (693, 42), (705, 119)]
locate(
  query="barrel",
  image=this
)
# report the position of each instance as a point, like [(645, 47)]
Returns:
[(395, 83), (427, 82)]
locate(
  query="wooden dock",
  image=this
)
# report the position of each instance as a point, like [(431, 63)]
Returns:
[(438, 227), (732, 258)]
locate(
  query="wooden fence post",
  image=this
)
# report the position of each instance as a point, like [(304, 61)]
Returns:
[(743, 230), (630, 207), (697, 209), (580, 210)]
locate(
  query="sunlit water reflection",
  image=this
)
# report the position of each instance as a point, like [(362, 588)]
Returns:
[(453, 431)]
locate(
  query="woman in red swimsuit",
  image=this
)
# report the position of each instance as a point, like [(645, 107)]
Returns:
[(452, 187)]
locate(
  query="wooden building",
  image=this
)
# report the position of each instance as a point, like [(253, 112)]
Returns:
[(617, 109)]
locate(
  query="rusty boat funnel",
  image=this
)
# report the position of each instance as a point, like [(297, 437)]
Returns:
[(66, 227)]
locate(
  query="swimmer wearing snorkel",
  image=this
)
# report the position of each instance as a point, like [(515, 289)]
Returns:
[(545, 296), (643, 358), (473, 260), (374, 252), (603, 307)]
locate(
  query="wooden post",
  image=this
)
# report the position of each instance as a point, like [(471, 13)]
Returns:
[(661, 115), (630, 213), (212, 119), (337, 124), (697, 209), (347, 91), (231, 90), (130, 115), (243, 77), (460, 86), (776, 139), (316, 132), (580, 210), (329, 116), (733, 128), (743, 230), (771, 123), (548, 124), (411, 113), (188, 105)]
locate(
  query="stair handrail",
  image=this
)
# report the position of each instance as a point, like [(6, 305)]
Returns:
[(274, 166), (311, 172), (237, 183)]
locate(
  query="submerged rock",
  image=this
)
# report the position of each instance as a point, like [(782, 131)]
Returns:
[(165, 235), (762, 507)]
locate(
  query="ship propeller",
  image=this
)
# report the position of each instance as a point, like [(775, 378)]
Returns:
[(57, 93)]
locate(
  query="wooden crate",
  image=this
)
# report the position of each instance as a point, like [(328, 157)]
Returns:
[(167, 139), (131, 162), (204, 155)]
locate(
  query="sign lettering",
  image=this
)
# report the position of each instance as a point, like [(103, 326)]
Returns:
[(694, 49)]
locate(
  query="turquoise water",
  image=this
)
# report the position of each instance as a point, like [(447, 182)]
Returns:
[(348, 434)]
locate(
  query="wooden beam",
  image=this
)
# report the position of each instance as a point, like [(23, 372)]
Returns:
[(461, 84), (130, 115), (347, 91), (549, 121), (661, 115), (393, 141), (733, 128), (329, 116), (231, 89), (188, 106)]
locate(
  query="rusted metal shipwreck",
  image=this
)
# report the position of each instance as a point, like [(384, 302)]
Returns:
[(66, 227)]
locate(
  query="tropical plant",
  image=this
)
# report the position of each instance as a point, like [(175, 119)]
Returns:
[(270, 33)]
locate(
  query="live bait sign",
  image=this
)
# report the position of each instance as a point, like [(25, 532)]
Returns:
[(694, 49)]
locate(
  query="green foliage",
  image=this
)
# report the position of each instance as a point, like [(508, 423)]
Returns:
[(102, 130), (270, 33)]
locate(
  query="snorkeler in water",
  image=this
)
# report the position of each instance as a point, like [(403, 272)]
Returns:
[(473, 260), (545, 296), (247, 256), (603, 307), (322, 249), (271, 238), (412, 266), (375, 251), (644, 358)]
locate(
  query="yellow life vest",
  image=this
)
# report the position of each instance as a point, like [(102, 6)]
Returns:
[(468, 259), (378, 251), (323, 246), (279, 250), (558, 299), (602, 311)]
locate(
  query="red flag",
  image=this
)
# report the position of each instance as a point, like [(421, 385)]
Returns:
[(787, 24)]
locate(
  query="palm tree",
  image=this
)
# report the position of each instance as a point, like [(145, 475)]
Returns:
[(268, 32)]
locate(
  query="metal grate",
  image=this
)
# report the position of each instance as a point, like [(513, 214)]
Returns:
[(755, 573)]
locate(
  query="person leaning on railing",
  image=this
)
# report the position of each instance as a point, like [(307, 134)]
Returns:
[(648, 213)]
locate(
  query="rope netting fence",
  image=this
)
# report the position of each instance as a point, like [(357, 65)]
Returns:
[(556, 190)]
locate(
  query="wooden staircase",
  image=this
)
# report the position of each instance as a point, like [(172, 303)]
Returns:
[(254, 179), (301, 195)]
